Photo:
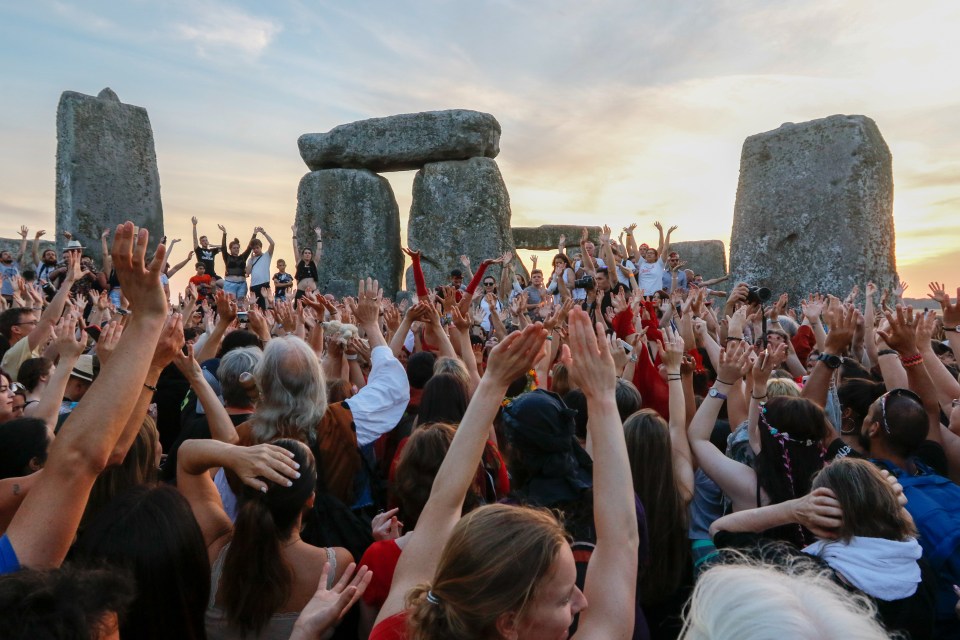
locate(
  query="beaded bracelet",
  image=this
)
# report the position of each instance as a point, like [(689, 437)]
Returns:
[(912, 361)]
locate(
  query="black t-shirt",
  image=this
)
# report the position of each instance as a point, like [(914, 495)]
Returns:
[(607, 300), (206, 256)]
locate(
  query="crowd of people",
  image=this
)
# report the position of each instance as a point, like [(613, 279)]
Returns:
[(616, 450)]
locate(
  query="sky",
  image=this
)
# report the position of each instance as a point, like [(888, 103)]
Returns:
[(618, 111)]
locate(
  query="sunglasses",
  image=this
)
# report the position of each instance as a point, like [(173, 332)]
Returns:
[(489, 284), (906, 393)]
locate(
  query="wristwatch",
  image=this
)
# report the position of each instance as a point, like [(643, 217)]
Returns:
[(713, 393), (955, 329), (831, 360)]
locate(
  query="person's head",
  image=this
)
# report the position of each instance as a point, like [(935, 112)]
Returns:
[(239, 339), (417, 466), (561, 262), (233, 365), (673, 259), (505, 572), (256, 247), (33, 371), (84, 373), (420, 368), (782, 387), (536, 278), (896, 424), (282, 266), (776, 337), (306, 255), (445, 399), (651, 466), (293, 392), (791, 433), (256, 580), (72, 602), (19, 400), (456, 277), (49, 257), (17, 322), (234, 247), (86, 263), (151, 532), (454, 367), (590, 248), (6, 257), (547, 464), (856, 395), (651, 255), (560, 381), (203, 241), (139, 467), (23, 447), (869, 504), (603, 279), (628, 398), (201, 269), (7, 392), (752, 601), (489, 284)]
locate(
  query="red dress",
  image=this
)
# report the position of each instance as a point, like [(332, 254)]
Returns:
[(381, 558)]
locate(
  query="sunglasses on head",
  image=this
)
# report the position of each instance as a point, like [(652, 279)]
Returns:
[(906, 393)]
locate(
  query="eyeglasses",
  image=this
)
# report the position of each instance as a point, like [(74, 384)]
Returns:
[(34, 322), (906, 393), (489, 284), (17, 387)]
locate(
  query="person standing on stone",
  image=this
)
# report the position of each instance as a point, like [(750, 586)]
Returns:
[(235, 263), (562, 279), (282, 281), (650, 273), (202, 281), (10, 267), (258, 266), (307, 272), (673, 267), (206, 254), (536, 293), (46, 263)]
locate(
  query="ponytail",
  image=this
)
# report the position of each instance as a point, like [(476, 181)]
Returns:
[(255, 580)]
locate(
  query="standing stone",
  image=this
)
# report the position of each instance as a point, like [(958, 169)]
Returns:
[(458, 208), (706, 257), (360, 220), (106, 168), (814, 208), (546, 236), (401, 142)]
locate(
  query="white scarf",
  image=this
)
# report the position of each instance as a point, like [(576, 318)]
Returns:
[(884, 569)]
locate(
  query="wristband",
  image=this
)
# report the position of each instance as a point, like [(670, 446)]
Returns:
[(912, 361), (886, 352), (353, 357), (758, 397), (150, 386), (718, 380)]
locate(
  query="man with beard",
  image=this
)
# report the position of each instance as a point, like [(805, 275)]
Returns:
[(10, 268)]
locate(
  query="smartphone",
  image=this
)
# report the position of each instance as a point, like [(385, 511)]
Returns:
[(242, 316), (625, 345)]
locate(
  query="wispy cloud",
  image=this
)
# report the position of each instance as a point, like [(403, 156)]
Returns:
[(215, 28)]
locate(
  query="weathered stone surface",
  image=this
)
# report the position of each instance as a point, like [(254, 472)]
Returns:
[(13, 246), (458, 208), (706, 257), (545, 237), (406, 141), (106, 168), (361, 228), (814, 208)]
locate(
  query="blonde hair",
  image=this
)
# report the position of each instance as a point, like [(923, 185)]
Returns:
[(454, 367), (783, 387), (754, 601), (491, 565)]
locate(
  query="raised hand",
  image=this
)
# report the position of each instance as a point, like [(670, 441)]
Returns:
[(319, 233), (170, 342), (139, 281), (368, 303), (533, 259), (900, 288), (901, 336), (843, 327), (24, 231), (327, 606), (516, 354), (262, 462), (411, 252), (587, 357), (733, 359), (386, 525), (658, 226), (671, 350), (194, 220), (820, 512), (226, 307), (584, 235), (40, 234), (465, 260), (222, 228), (938, 292)]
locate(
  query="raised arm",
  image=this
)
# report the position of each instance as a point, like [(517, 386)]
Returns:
[(819, 511), (318, 254), (105, 252), (221, 427), (611, 580), (24, 231), (418, 562), (296, 249), (843, 327), (50, 315), (271, 245), (223, 244), (737, 480), (36, 246), (180, 265), (672, 351), (46, 523)]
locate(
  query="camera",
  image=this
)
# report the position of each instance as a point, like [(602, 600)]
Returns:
[(242, 316), (586, 282), (758, 295)]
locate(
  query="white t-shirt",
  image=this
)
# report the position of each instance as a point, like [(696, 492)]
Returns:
[(485, 311), (650, 276), (624, 280), (260, 268), (581, 294)]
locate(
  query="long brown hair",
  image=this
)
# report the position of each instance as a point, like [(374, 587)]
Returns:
[(491, 565), (256, 581), (650, 453), (869, 504)]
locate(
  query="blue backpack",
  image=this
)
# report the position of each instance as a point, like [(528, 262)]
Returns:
[(934, 503)]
